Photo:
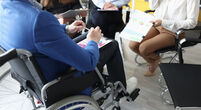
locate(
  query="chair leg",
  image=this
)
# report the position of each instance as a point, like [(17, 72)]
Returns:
[(161, 82), (136, 60), (178, 108), (166, 97), (31, 98)]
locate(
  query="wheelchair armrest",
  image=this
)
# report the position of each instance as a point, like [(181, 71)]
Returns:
[(44, 89), (8, 55), (80, 37), (67, 85), (51, 83)]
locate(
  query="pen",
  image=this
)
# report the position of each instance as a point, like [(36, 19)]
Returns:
[(87, 28)]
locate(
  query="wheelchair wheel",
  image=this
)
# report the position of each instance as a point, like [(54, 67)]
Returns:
[(116, 108), (79, 102), (10, 99)]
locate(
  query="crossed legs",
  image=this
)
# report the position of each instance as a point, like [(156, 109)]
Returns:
[(153, 41)]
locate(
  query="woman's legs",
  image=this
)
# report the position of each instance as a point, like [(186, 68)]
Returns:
[(153, 41), (147, 50), (134, 46)]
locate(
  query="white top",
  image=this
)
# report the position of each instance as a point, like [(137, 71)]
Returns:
[(118, 3), (176, 14)]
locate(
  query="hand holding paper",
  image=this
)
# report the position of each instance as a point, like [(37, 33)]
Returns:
[(76, 26), (109, 6)]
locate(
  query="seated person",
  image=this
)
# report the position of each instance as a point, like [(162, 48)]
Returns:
[(110, 22), (170, 16), (61, 6), (52, 48), (57, 7)]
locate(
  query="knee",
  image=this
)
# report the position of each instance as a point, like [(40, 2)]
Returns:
[(112, 45), (115, 43), (134, 46), (143, 49)]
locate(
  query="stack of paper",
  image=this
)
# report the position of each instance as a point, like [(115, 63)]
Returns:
[(138, 26)]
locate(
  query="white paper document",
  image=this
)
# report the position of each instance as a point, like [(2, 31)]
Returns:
[(138, 26), (103, 41)]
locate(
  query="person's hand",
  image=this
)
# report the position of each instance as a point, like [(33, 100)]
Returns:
[(76, 26), (109, 6), (157, 22), (94, 34), (65, 20), (84, 13)]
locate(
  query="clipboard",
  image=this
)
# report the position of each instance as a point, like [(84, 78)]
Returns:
[(71, 13), (107, 11)]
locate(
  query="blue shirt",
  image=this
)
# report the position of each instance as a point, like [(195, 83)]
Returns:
[(22, 26)]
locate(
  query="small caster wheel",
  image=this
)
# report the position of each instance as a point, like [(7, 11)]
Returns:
[(116, 108)]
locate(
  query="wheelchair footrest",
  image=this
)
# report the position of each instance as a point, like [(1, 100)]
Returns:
[(135, 94)]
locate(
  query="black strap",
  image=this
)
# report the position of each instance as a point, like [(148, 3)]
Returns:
[(8, 55)]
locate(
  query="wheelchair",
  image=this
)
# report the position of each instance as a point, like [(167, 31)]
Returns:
[(62, 93)]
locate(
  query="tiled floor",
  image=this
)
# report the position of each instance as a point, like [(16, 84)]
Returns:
[(149, 98), (10, 99)]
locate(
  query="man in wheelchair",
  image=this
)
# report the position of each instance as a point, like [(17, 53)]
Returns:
[(45, 69)]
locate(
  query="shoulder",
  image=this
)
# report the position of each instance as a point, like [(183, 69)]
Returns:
[(45, 18), (45, 14)]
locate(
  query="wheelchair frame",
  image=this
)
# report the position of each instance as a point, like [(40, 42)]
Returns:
[(115, 88)]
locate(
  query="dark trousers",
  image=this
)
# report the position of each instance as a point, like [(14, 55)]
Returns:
[(111, 56), (110, 22)]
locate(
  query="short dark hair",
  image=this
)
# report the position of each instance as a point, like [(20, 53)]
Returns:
[(60, 8)]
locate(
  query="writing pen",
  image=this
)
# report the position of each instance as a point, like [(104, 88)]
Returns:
[(87, 28)]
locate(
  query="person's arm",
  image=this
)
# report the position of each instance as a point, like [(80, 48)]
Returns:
[(51, 40), (153, 4), (191, 20), (120, 3)]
